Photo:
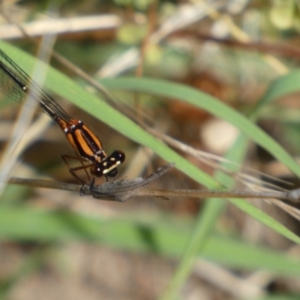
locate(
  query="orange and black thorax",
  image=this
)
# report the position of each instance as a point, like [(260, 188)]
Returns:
[(88, 146), (83, 140)]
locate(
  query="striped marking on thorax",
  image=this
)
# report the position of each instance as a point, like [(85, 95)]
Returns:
[(83, 140)]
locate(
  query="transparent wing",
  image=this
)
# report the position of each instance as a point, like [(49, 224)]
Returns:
[(17, 84)]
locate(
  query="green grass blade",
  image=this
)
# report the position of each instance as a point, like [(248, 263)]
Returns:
[(67, 88), (168, 237), (177, 91)]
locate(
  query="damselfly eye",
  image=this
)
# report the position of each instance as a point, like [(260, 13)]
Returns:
[(118, 155), (97, 170)]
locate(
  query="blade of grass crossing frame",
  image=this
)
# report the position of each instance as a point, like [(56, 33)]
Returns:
[(177, 91)]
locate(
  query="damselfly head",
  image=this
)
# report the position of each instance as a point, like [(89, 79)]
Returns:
[(108, 166)]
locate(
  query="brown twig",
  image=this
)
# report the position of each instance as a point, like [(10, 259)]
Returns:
[(122, 190)]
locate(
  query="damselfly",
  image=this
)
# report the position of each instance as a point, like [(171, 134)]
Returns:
[(16, 84)]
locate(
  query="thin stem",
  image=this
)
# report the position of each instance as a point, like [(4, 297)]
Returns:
[(121, 190)]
